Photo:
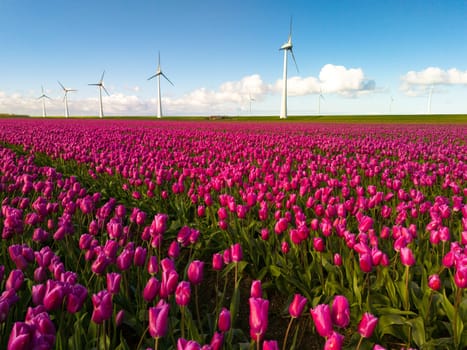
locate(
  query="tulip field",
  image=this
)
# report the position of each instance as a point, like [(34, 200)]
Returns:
[(163, 234)]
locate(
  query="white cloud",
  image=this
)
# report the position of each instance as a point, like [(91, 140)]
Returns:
[(415, 83), (229, 98), (332, 80)]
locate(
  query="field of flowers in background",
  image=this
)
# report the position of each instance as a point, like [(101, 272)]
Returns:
[(235, 235)]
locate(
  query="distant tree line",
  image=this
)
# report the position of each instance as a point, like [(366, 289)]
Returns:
[(6, 115)]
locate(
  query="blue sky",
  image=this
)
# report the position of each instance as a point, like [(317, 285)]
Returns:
[(220, 54)]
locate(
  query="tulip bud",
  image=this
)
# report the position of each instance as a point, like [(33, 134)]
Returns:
[(217, 261), (195, 272), (434, 282), (113, 282), (151, 289), (236, 252), (183, 293), (321, 315), (258, 318), (407, 257), (153, 265), (460, 277), (256, 290), (139, 259), (224, 320), (340, 311), (367, 325), (270, 345), (334, 342), (297, 305), (159, 319)]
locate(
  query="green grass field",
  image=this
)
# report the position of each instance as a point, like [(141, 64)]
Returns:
[(365, 119)]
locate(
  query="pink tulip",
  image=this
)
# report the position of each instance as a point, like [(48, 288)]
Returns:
[(334, 342), (270, 345), (256, 290), (102, 302), (321, 315), (337, 259), (15, 280), (20, 336), (151, 289), (159, 319), (139, 259), (434, 282), (340, 311), (258, 318), (236, 252), (183, 293), (153, 265), (113, 282), (224, 320), (217, 261), (460, 277), (407, 257), (183, 344), (195, 272), (367, 325), (217, 341), (297, 305)]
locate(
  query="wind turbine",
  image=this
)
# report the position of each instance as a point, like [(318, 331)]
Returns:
[(65, 98), (391, 101), (101, 86), (158, 75), (43, 97), (286, 47), (250, 99), (429, 100), (320, 96)]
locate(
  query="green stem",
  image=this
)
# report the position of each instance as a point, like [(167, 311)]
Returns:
[(456, 314), (359, 343), (142, 337), (407, 294), (156, 343), (182, 321), (197, 309), (284, 345)]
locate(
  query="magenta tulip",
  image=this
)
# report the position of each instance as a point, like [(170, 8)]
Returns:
[(217, 341), (460, 277), (270, 345), (367, 325), (195, 272), (113, 282), (434, 282), (102, 303), (76, 298), (15, 280), (224, 320), (407, 257), (20, 336), (159, 319), (153, 265), (151, 289), (183, 293), (297, 305), (183, 344), (256, 290), (334, 342), (258, 318), (340, 311), (217, 261), (139, 259), (321, 315), (236, 252)]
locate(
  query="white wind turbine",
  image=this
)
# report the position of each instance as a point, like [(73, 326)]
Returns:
[(158, 75), (250, 99), (429, 100), (391, 101), (286, 47), (65, 98), (43, 97), (320, 96), (101, 86)]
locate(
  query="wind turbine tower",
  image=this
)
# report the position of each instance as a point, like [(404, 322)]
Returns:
[(286, 47), (65, 98), (429, 100), (158, 75), (101, 86), (43, 97), (320, 96), (250, 99)]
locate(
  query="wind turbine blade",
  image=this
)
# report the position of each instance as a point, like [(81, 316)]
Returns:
[(167, 78), (97, 84), (152, 77), (61, 85), (105, 90), (293, 57), (290, 29), (102, 77), (158, 58)]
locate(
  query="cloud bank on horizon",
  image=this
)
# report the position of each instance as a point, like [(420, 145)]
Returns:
[(332, 80)]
